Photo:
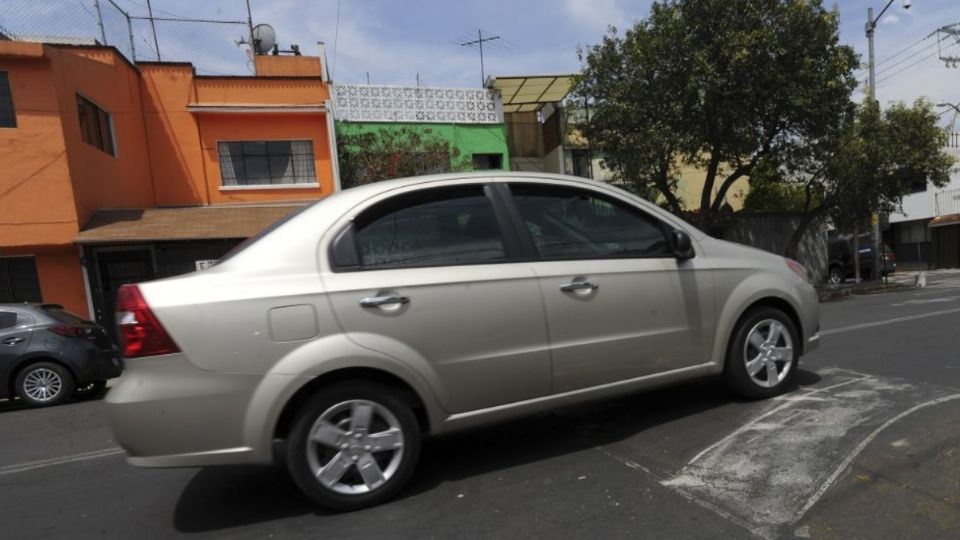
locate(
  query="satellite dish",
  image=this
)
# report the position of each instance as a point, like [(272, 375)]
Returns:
[(264, 38)]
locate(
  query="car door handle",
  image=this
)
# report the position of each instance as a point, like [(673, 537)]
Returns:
[(577, 286), (378, 301), (12, 341)]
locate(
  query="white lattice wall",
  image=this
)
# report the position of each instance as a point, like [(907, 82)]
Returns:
[(367, 103)]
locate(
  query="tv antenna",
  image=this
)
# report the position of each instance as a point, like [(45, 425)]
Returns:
[(479, 42)]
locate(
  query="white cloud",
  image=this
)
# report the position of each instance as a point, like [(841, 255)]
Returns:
[(594, 14), (890, 19)]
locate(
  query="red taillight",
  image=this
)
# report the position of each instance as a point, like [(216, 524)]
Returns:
[(66, 330), (141, 334), (798, 269)]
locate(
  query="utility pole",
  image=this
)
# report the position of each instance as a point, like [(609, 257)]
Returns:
[(479, 41), (870, 28)]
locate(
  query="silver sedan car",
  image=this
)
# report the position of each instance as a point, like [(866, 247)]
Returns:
[(340, 337)]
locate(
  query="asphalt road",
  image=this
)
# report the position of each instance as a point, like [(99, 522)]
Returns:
[(865, 447)]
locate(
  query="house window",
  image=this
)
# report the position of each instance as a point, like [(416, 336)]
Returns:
[(96, 126), (487, 161), (8, 117), (262, 163), (18, 280)]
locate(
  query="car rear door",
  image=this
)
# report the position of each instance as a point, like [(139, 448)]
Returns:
[(15, 332), (619, 305), (432, 277)]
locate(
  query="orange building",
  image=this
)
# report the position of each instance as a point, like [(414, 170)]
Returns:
[(112, 172)]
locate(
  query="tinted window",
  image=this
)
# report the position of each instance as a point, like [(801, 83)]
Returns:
[(432, 227), (573, 223), (63, 316), (96, 129), (8, 319)]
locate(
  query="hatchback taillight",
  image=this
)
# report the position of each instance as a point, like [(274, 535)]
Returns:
[(66, 330), (141, 334)]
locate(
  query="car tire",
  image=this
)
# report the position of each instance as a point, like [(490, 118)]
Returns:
[(353, 445), (44, 384), (91, 390), (763, 354), (835, 275)]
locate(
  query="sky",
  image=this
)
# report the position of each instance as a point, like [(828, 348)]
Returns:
[(395, 41)]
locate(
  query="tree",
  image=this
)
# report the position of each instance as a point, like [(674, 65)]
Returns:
[(720, 84), (371, 156)]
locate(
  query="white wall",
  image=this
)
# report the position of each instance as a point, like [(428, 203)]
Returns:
[(923, 205)]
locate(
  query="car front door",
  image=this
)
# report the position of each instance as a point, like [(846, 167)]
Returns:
[(432, 277), (619, 304)]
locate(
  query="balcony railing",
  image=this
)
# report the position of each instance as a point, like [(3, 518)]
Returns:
[(948, 202)]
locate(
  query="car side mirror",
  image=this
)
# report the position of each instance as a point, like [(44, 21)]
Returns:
[(682, 246)]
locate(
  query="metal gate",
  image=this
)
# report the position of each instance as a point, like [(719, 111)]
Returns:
[(113, 267)]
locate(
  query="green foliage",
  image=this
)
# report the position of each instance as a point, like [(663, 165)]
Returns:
[(387, 153), (770, 193), (720, 84)]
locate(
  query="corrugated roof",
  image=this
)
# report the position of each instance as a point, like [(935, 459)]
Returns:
[(196, 223), (529, 93)]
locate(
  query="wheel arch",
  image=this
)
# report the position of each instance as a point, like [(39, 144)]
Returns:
[(776, 302), (367, 374)]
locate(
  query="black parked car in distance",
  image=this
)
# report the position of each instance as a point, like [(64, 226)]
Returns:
[(48, 355), (840, 258)]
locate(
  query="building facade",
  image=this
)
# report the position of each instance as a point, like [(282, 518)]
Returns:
[(468, 120), (926, 234), (118, 172)]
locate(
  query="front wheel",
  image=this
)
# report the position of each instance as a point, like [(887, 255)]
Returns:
[(763, 354), (354, 445)]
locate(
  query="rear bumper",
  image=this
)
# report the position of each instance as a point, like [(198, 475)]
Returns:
[(165, 412)]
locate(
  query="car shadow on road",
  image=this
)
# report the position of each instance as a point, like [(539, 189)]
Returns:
[(218, 498)]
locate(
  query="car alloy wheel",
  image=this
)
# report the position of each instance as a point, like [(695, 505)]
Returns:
[(762, 355), (768, 353), (43, 384), (354, 444), (355, 447)]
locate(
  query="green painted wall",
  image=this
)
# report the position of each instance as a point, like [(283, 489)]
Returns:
[(468, 138)]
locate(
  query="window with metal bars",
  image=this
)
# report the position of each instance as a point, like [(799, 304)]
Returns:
[(96, 127), (8, 117), (265, 163), (18, 280)]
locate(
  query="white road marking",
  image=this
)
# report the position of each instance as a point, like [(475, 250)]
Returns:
[(863, 444), (926, 301), (888, 321), (44, 463), (769, 472)]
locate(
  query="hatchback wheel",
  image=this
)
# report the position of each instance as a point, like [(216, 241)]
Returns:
[(353, 445), (44, 384), (762, 356)]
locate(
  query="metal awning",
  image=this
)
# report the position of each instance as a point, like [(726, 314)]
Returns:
[(940, 221), (530, 93), (193, 223)]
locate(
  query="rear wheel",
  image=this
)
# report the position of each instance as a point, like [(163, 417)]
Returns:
[(354, 445), (763, 354), (44, 384)]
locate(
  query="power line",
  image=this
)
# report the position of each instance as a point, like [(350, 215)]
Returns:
[(336, 37), (905, 58), (920, 61)]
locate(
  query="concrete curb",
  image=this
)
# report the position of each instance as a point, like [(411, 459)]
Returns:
[(833, 292)]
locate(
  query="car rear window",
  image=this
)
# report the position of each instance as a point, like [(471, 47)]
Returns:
[(63, 316)]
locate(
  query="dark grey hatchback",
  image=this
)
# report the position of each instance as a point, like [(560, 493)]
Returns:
[(48, 355)]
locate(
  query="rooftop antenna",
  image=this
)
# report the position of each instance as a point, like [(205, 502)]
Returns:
[(264, 38), (480, 41)]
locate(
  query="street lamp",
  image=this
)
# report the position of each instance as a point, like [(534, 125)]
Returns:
[(956, 108), (870, 28)]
